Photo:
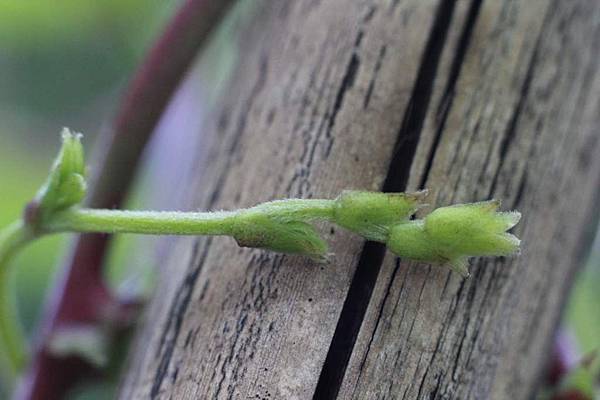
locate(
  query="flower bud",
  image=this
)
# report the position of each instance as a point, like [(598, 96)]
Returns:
[(371, 214), (284, 236), (65, 185), (450, 235)]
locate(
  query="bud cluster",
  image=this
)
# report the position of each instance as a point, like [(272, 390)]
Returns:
[(448, 235)]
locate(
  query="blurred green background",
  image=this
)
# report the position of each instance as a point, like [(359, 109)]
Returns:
[(65, 62), (61, 63)]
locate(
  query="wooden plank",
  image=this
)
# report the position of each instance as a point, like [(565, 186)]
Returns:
[(491, 99), (520, 124), (315, 106)]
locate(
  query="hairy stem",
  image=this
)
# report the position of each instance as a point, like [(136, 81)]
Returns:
[(144, 222), (182, 223), (74, 219), (14, 349)]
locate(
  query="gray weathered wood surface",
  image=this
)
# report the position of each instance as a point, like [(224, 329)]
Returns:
[(472, 99)]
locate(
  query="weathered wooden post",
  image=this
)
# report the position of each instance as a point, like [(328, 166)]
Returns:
[(471, 99)]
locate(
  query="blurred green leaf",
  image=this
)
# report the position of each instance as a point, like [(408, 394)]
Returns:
[(582, 310), (62, 57)]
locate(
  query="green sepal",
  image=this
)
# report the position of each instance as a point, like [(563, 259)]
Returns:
[(475, 229), (72, 191), (409, 240), (372, 214), (450, 235), (255, 229)]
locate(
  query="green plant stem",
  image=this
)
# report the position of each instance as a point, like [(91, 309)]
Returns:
[(144, 222), (448, 235), (12, 239), (74, 219), (181, 223)]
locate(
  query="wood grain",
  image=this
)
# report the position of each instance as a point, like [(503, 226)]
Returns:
[(520, 124), (471, 99)]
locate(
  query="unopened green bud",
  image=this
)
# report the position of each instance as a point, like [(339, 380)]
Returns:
[(65, 185), (71, 157), (450, 235), (371, 214), (255, 229)]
